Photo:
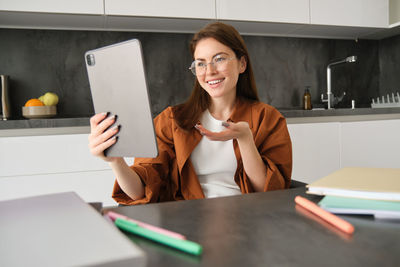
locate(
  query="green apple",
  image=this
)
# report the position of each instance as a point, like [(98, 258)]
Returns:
[(49, 99)]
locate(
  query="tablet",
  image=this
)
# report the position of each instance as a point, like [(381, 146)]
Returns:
[(118, 86), (62, 230)]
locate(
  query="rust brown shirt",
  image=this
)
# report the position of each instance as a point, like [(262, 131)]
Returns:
[(171, 176)]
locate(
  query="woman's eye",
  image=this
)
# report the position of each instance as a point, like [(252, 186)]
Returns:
[(219, 59), (200, 64)]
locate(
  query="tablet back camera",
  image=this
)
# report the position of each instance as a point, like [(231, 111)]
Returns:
[(90, 60)]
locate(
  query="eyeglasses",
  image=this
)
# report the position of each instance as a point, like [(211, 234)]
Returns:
[(219, 62)]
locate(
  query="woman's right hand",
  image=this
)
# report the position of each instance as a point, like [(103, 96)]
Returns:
[(100, 138)]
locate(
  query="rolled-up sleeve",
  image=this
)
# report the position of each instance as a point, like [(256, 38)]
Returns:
[(272, 140), (153, 172)]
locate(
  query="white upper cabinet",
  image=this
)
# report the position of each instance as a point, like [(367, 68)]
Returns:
[(52, 14), (341, 19), (394, 12), (357, 13), (204, 9), (54, 6), (281, 11)]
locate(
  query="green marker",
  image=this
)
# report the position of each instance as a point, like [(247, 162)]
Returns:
[(184, 245)]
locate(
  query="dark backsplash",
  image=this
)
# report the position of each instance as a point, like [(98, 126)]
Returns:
[(47, 60)]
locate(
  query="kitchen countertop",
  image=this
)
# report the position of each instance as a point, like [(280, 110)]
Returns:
[(339, 115), (44, 123), (295, 112), (51, 126)]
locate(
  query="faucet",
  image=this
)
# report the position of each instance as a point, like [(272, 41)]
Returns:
[(331, 99)]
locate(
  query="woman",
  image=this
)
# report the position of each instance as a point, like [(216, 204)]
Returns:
[(221, 142)]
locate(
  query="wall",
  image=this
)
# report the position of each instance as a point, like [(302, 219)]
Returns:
[(284, 66), (389, 65), (39, 61), (49, 60)]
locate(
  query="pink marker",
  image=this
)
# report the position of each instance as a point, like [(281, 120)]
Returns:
[(114, 216)]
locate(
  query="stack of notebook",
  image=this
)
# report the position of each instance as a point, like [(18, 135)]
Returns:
[(366, 191)]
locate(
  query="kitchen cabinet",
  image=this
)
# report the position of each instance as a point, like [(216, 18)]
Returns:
[(307, 18), (370, 144), (48, 14), (27, 155), (154, 8), (33, 165), (159, 16), (42, 164), (281, 11), (54, 6), (316, 150), (394, 21), (394, 12), (357, 13), (297, 18), (91, 186), (322, 148)]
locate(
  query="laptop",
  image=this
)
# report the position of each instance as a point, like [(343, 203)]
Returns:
[(118, 85), (61, 230)]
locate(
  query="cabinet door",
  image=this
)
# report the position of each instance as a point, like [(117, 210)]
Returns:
[(158, 8), (34, 165), (91, 186), (315, 150), (394, 12), (291, 11), (371, 144), (54, 6), (358, 13), (31, 155)]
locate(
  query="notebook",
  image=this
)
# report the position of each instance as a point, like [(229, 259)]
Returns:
[(369, 183), (61, 230), (118, 85), (347, 205)]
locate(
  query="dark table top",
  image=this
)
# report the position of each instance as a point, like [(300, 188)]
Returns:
[(264, 229)]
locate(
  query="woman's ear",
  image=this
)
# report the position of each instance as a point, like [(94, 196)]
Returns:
[(242, 64)]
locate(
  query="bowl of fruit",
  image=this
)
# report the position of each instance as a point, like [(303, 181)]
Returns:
[(42, 107)]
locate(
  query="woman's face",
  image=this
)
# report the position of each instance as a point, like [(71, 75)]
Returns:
[(219, 78)]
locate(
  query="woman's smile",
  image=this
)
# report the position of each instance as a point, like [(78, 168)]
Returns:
[(215, 82)]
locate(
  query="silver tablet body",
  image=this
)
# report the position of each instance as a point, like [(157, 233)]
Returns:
[(118, 85)]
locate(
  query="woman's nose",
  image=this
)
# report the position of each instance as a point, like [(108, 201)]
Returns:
[(211, 68)]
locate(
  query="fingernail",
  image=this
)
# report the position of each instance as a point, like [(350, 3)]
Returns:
[(196, 126), (225, 124)]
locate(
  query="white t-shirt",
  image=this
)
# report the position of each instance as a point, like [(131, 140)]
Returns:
[(215, 162)]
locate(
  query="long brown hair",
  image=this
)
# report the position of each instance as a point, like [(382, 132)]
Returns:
[(187, 114)]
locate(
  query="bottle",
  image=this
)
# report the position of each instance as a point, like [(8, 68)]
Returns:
[(5, 100), (307, 99)]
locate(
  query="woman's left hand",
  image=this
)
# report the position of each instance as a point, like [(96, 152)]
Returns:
[(239, 130)]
